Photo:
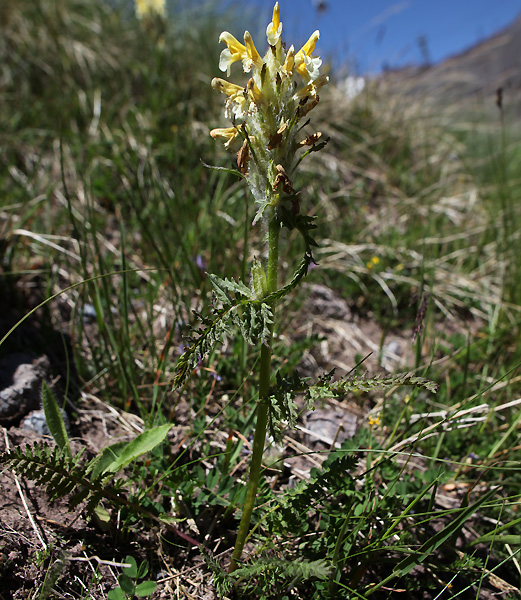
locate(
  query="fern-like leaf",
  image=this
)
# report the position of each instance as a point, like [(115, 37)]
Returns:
[(222, 580), (224, 287), (283, 410), (251, 316), (299, 570), (331, 480), (362, 383), (61, 474)]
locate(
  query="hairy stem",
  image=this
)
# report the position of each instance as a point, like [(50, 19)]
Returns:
[(263, 404)]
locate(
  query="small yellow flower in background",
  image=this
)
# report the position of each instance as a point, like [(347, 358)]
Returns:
[(373, 262), (282, 90), (149, 9), (374, 421)]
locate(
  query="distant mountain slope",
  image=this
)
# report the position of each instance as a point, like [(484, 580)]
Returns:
[(477, 72)]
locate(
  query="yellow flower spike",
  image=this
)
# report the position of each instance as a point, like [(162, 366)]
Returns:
[(306, 65), (232, 53), (252, 56), (274, 29), (268, 105)]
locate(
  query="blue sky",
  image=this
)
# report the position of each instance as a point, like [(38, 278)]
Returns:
[(371, 33)]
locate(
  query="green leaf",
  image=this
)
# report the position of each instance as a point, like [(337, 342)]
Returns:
[(361, 383), (144, 442), (169, 519), (109, 455), (221, 286), (232, 171), (54, 418), (250, 315), (142, 570), (102, 518), (512, 539), (132, 570), (494, 535), (117, 594), (146, 588), (126, 584)]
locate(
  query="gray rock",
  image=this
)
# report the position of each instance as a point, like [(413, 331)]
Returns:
[(21, 377), (35, 421)]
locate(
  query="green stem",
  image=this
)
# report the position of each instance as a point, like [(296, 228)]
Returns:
[(263, 404), (244, 344)]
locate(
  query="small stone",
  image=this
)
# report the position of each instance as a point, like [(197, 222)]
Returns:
[(35, 421), (21, 379)]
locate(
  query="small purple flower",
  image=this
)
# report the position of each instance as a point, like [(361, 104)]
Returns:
[(200, 262)]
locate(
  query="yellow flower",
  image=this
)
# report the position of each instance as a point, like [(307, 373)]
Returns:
[(374, 421), (252, 56), (373, 262), (230, 89), (233, 52), (236, 102), (150, 8), (306, 65), (228, 134), (274, 29), (236, 51)]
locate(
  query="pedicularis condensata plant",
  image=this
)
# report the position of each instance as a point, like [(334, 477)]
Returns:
[(267, 117)]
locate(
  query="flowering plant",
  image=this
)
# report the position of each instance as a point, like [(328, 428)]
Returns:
[(266, 131), (265, 114)]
